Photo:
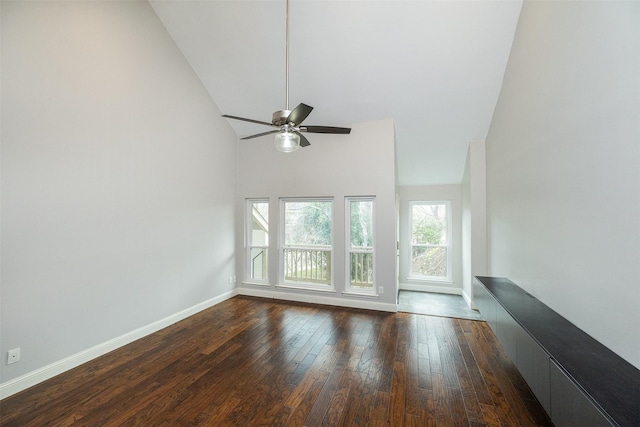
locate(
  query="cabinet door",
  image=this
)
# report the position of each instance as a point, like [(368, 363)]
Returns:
[(570, 406), (485, 303), (507, 331), (533, 364)]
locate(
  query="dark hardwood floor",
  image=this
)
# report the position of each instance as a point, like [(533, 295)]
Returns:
[(250, 362)]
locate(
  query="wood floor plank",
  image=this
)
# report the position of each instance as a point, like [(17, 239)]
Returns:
[(485, 357), (388, 347), (379, 410), (250, 361), (467, 391), (337, 403), (397, 404), (413, 402), (329, 389), (518, 394), (366, 399), (350, 415), (491, 417)]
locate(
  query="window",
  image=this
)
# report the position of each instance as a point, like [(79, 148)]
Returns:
[(360, 244), (306, 248), (430, 240), (257, 240)]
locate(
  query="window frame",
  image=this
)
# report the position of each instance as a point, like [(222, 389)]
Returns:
[(348, 248), (449, 245), (282, 282), (249, 241)]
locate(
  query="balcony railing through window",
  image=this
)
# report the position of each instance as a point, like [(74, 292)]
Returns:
[(362, 268), (308, 265), (258, 263)]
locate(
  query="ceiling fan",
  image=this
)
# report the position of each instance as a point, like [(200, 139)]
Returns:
[(289, 122)]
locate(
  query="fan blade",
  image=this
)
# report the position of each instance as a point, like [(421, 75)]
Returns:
[(247, 120), (325, 129), (261, 134), (304, 142), (298, 114)]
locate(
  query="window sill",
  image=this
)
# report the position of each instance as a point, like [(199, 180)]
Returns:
[(361, 294), (262, 284), (422, 279), (328, 290)]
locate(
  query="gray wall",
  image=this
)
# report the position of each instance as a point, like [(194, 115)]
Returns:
[(563, 166), (118, 179), (474, 218), (338, 166)]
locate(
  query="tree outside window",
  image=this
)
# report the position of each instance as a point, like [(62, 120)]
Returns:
[(430, 240), (306, 253), (360, 243)]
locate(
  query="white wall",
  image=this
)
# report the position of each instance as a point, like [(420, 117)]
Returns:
[(118, 180), (439, 193), (359, 164), (474, 219), (563, 166)]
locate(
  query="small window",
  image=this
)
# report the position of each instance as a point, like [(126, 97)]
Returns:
[(257, 240), (430, 240), (307, 241), (360, 244)]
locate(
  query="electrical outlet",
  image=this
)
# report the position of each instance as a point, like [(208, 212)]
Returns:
[(381, 289), (231, 280), (13, 356)]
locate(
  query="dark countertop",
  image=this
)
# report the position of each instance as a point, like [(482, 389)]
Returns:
[(608, 379)]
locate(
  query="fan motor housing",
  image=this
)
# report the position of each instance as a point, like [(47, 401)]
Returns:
[(280, 117)]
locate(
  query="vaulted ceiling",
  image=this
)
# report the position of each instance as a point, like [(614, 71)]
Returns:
[(434, 67)]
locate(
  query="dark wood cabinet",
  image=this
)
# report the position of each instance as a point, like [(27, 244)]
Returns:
[(533, 364), (506, 331), (530, 359), (578, 381), (570, 406), (485, 303)]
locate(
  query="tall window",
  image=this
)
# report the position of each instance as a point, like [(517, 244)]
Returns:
[(360, 243), (257, 240), (306, 248), (430, 240)]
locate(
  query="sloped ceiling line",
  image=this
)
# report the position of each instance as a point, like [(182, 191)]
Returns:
[(434, 67)]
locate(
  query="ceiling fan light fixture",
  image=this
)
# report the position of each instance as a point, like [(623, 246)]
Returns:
[(288, 138), (287, 141)]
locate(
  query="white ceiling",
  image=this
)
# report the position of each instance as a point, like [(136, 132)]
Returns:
[(434, 67)]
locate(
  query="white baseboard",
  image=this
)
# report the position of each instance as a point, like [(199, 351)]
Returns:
[(39, 375), (469, 301), (430, 288), (318, 299)]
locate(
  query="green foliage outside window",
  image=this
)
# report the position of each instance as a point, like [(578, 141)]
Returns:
[(361, 223), (429, 239), (361, 243), (308, 223)]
